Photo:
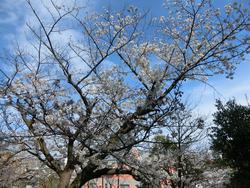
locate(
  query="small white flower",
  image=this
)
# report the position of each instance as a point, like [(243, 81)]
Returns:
[(162, 19), (228, 9)]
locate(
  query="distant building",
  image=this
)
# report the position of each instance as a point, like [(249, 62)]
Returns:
[(114, 181)]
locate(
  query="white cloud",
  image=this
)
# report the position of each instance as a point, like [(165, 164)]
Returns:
[(17, 13), (224, 89), (20, 14), (7, 17)]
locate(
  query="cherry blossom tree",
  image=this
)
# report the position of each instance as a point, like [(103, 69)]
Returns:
[(76, 104)]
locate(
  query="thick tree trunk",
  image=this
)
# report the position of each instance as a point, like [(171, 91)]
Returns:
[(79, 181), (64, 179)]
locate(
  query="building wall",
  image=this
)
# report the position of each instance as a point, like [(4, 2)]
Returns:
[(115, 181)]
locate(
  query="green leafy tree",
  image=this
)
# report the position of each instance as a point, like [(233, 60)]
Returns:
[(230, 138)]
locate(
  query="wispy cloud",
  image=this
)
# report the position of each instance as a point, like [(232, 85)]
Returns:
[(9, 11), (7, 17), (204, 96), (16, 15)]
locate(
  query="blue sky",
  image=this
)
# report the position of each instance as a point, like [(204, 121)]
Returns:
[(14, 14)]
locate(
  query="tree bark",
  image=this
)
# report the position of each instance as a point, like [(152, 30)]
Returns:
[(77, 183), (64, 179)]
